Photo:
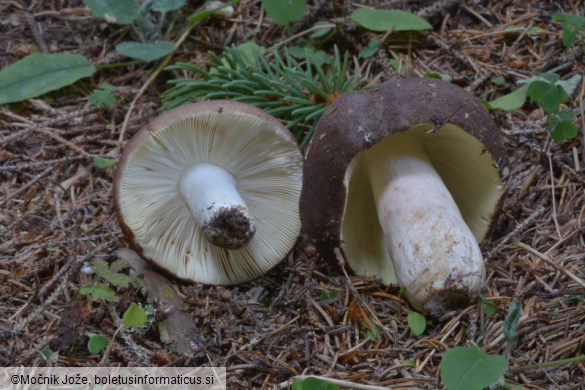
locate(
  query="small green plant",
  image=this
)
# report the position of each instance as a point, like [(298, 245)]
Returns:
[(373, 330), (103, 95), (134, 317), (488, 306), (573, 27), (106, 275), (295, 91), (97, 343), (416, 322), (549, 92), (284, 12), (313, 384), (103, 163), (147, 19), (469, 368), (328, 294), (37, 74)]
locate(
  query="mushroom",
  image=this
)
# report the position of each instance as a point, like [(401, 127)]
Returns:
[(209, 192), (403, 182)]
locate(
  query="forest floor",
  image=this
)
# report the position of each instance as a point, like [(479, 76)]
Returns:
[(304, 317)]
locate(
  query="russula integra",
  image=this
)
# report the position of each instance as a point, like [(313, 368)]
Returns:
[(403, 182), (209, 192)]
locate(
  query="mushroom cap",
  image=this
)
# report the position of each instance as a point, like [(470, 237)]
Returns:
[(458, 134), (254, 147)]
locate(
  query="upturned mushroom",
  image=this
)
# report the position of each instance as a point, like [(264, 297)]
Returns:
[(209, 192), (403, 182)]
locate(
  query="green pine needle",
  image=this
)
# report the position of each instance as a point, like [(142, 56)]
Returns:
[(295, 91)]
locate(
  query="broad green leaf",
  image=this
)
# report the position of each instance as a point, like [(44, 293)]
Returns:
[(470, 368), (313, 384), (145, 51), (511, 101), (512, 319), (100, 291), (564, 131), (103, 163), (134, 316), (114, 11), (546, 94), (416, 322), (282, 12), (571, 84), (37, 74), (97, 343), (167, 5), (383, 20)]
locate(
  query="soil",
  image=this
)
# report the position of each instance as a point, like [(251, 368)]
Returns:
[(306, 316)]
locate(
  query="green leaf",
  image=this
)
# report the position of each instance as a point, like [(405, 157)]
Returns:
[(546, 94), (167, 5), (488, 306), (564, 131), (103, 163), (439, 76), (416, 322), (512, 320), (97, 343), (500, 80), (410, 362), (511, 101), (134, 316), (47, 353), (101, 96), (282, 12), (535, 31), (313, 384), (146, 51), (382, 20), (100, 291), (322, 28), (571, 24), (566, 115), (470, 368), (37, 74), (114, 11), (370, 50), (328, 294)]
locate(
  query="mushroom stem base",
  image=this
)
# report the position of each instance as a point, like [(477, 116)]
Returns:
[(211, 193)]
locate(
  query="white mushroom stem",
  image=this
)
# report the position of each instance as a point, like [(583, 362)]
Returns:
[(218, 208), (436, 257)]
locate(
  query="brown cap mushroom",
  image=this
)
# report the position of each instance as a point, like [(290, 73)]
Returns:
[(209, 192), (403, 182)]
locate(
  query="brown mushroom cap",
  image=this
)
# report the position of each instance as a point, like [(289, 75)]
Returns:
[(453, 126), (254, 147)]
